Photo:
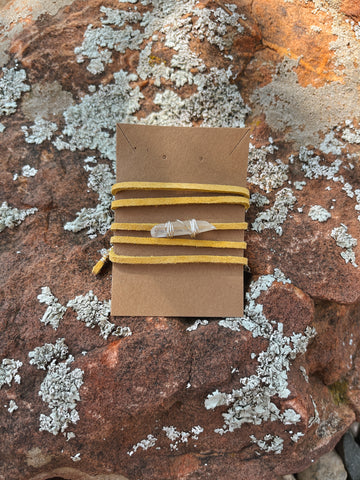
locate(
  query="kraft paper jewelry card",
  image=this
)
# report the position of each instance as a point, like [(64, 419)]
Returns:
[(178, 235)]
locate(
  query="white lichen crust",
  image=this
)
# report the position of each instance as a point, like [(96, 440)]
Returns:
[(91, 124), (44, 355), (252, 402), (27, 171), (196, 324), (95, 313), (275, 216), (60, 390), (319, 213), (176, 436), (9, 371), (347, 242), (269, 443), (266, 174), (10, 217), (148, 442), (60, 387), (313, 169), (12, 406), (11, 87), (55, 311), (41, 130), (98, 218)]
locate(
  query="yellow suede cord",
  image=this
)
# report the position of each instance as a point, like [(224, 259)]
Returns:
[(155, 202), (233, 196), (172, 259), (99, 265), (146, 227), (193, 187), (178, 242)]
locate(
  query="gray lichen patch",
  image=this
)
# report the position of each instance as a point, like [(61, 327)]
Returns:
[(60, 390), (258, 200), (319, 213), (55, 311), (98, 42), (314, 167), (11, 217), (275, 216), (40, 131), (196, 324), (266, 174), (98, 218), (42, 356), (91, 123), (9, 371), (331, 144), (269, 443), (299, 185), (217, 103), (76, 457), (95, 313), (351, 134), (177, 437), (27, 171), (252, 401), (45, 100), (296, 436), (12, 406), (148, 442), (60, 387), (11, 88), (347, 242)]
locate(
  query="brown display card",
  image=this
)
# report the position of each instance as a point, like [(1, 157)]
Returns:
[(186, 155)]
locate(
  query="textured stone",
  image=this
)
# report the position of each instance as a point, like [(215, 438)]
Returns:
[(157, 398), (328, 467), (349, 451)]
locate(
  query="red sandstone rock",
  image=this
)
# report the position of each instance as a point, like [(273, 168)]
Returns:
[(152, 405)]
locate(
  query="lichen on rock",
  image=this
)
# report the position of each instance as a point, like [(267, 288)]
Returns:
[(11, 217), (347, 242), (148, 442), (275, 216), (60, 387), (12, 406), (60, 390), (319, 213), (91, 123), (95, 313), (40, 131), (9, 371), (42, 356), (98, 218), (252, 403), (269, 443), (55, 311), (11, 87), (264, 173)]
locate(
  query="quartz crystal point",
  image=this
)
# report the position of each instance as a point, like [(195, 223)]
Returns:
[(181, 227)]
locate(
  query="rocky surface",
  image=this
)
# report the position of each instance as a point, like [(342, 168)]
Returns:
[(328, 467), (87, 396)]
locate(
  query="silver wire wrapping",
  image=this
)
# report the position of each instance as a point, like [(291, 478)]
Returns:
[(181, 227)]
